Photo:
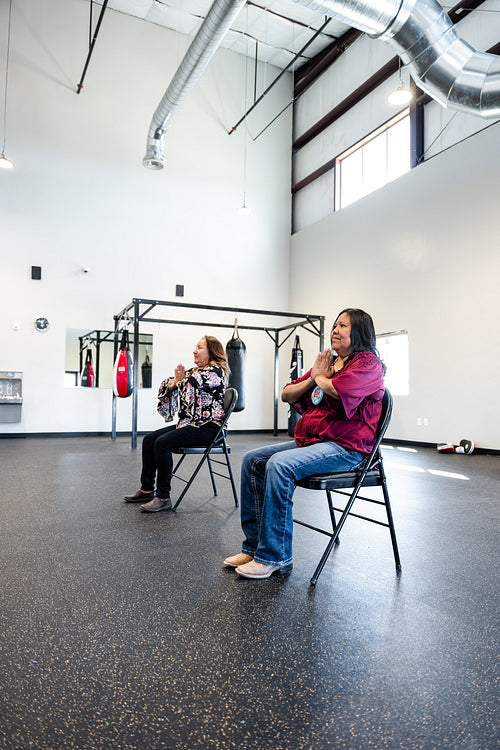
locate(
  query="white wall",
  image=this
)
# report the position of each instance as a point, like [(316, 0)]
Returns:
[(79, 196), (422, 254)]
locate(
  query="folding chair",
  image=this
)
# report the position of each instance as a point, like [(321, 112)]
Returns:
[(217, 446), (371, 475)]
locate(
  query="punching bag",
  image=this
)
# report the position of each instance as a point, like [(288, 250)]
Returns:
[(87, 379), (236, 358), (147, 372), (123, 375), (296, 370)]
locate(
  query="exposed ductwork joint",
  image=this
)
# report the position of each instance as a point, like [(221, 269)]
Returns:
[(420, 31)]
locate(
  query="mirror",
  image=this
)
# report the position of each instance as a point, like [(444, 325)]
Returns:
[(98, 346)]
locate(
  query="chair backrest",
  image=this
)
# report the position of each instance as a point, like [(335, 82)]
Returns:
[(383, 423), (230, 399)]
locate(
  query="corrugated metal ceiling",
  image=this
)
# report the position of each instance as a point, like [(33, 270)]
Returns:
[(275, 31)]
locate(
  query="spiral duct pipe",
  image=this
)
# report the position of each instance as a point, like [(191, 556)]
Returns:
[(420, 31), (440, 62), (217, 23)]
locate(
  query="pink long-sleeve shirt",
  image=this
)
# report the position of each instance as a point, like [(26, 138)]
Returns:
[(351, 420)]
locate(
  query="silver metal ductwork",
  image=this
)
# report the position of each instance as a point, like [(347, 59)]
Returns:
[(217, 23), (420, 31), (440, 62)]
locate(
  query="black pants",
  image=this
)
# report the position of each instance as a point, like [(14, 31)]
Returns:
[(157, 461)]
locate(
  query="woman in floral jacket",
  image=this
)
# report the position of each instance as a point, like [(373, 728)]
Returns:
[(198, 397)]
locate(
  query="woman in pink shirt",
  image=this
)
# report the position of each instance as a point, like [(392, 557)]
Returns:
[(340, 400)]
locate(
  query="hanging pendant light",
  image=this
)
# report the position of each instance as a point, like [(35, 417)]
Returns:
[(6, 163), (244, 210), (401, 95)]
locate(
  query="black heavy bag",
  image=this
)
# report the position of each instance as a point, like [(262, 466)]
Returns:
[(147, 372), (296, 370), (87, 379), (123, 375), (236, 357)]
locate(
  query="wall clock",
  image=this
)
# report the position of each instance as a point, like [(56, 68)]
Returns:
[(41, 324)]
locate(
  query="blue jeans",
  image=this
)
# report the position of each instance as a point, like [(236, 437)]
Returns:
[(268, 477)]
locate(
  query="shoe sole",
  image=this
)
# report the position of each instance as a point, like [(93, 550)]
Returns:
[(155, 510), (146, 496), (283, 571)]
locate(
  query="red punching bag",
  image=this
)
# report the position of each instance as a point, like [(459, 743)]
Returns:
[(123, 376), (87, 379)]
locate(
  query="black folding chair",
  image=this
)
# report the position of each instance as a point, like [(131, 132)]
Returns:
[(372, 474), (218, 446)]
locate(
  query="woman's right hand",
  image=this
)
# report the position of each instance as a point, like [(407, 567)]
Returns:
[(180, 373)]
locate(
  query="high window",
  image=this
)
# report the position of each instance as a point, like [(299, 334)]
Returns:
[(374, 161), (393, 350)]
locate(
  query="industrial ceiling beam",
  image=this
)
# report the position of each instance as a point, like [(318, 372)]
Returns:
[(92, 44)]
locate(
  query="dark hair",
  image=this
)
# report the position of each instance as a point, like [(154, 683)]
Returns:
[(363, 338), (217, 353)]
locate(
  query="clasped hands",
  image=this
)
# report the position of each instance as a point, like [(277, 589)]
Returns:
[(323, 365), (180, 374)]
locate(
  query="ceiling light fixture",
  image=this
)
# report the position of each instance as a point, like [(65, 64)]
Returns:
[(244, 210), (401, 95), (6, 163)]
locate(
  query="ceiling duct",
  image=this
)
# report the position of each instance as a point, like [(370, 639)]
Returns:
[(441, 63), (217, 23)]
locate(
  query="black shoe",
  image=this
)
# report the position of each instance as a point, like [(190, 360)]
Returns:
[(162, 505), (139, 497)]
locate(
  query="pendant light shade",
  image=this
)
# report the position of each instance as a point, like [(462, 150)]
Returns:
[(5, 163), (401, 95)]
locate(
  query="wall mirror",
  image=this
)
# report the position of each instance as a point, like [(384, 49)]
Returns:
[(98, 346)]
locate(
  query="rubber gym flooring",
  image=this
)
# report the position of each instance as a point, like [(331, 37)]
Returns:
[(123, 630)]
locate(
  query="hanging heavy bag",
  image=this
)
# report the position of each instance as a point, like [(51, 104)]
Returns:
[(236, 358), (147, 372), (87, 379), (296, 370), (123, 375)]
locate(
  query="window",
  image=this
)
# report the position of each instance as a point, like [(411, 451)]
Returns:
[(377, 159), (393, 350)]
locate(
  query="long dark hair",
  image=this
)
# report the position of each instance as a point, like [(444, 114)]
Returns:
[(217, 353), (363, 338)]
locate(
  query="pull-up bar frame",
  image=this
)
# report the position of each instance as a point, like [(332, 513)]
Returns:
[(96, 338), (134, 314)]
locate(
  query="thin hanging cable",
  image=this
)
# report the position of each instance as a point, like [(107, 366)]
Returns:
[(244, 207), (278, 77), (6, 80), (438, 136), (90, 21), (255, 70), (273, 120)]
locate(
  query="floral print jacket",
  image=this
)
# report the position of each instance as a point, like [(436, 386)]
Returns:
[(198, 399)]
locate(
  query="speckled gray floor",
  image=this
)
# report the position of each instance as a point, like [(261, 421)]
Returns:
[(121, 630)]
